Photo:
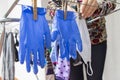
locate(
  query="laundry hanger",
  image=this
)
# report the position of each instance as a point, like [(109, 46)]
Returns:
[(2, 38)]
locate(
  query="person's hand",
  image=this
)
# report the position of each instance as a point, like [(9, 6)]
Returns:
[(88, 7)]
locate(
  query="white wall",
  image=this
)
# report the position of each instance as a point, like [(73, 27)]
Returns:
[(112, 67)]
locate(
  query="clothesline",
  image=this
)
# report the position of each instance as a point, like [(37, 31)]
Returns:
[(102, 16), (50, 21), (5, 19), (16, 2)]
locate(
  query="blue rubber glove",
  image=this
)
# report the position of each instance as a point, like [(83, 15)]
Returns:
[(34, 37), (68, 32)]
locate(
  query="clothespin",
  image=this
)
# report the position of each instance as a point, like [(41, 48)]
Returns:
[(78, 8), (65, 10), (64, 6), (34, 4)]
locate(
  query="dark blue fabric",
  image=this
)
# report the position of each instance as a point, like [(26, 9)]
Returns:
[(98, 60), (34, 37), (68, 32)]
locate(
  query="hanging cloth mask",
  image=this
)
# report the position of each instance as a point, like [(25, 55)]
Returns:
[(34, 37), (86, 52)]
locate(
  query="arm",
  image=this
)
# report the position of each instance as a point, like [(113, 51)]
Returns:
[(89, 7)]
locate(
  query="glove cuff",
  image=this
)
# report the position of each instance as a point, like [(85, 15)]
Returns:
[(70, 15), (29, 9)]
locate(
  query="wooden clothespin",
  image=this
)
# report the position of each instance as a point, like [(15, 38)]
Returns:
[(34, 4), (64, 6), (78, 8)]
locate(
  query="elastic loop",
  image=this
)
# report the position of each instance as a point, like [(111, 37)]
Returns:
[(89, 67)]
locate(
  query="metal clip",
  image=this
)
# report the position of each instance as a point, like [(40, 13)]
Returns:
[(34, 3)]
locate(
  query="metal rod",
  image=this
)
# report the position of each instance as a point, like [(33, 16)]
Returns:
[(9, 20), (90, 21), (11, 8), (50, 21), (15, 20)]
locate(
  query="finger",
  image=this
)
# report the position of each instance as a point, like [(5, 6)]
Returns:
[(22, 48), (87, 8), (62, 49), (47, 40), (41, 56), (47, 37), (22, 53), (35, 68), (54, 32), (66, 45), (72, 49), (83, 6), (28, 60), (92, 9), (91, 13)]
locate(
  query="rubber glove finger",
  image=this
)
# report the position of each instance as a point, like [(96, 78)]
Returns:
[(48, 40), (65, 47), (62, 49), (41, 57), (72, 49), (28, 59), (47, 35), (35, 68), (67, 51), (22, 53)]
